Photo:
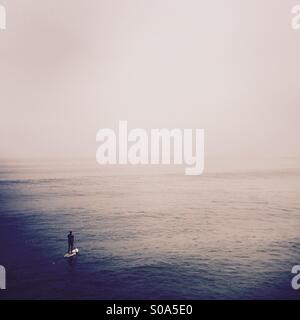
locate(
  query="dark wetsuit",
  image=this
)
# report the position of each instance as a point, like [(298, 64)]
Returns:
[(70, 242)]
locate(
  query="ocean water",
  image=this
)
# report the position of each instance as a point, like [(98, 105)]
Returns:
[(148, 234)]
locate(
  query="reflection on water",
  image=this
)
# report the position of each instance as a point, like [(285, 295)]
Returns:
[(154, 235)]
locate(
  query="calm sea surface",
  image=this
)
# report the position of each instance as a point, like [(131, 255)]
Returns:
[(153, 234)]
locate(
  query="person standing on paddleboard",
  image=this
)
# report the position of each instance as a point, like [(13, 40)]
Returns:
[(70, 242)]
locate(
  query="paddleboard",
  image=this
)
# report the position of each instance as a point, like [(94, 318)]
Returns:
[(72, 254)]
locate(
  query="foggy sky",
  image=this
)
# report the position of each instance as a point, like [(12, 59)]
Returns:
[(69, 68)]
